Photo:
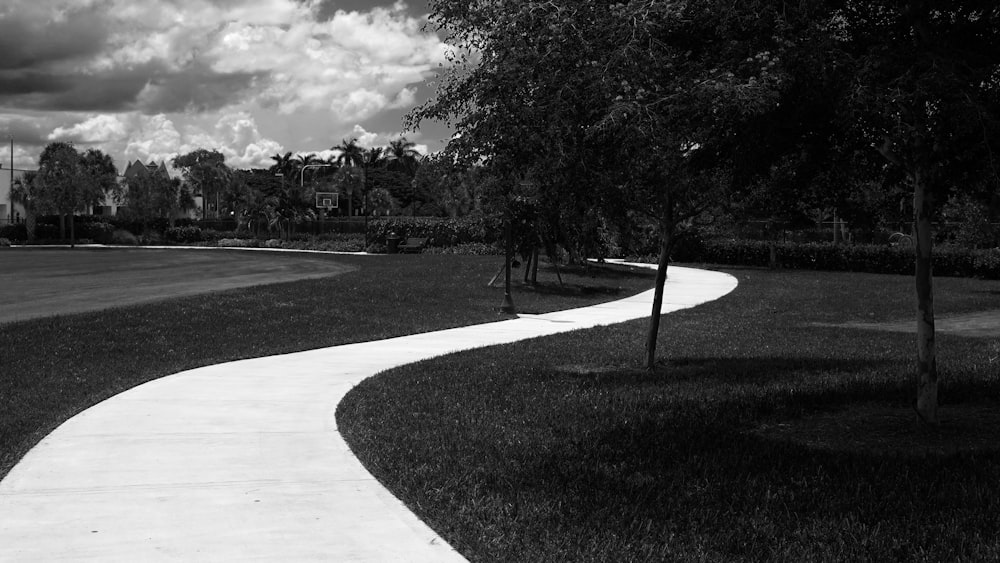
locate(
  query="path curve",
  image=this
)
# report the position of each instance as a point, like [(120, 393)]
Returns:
[(243, 461)]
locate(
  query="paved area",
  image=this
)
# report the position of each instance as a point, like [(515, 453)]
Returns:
[(243, 461)]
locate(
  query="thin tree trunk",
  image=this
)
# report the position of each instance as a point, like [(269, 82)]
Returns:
[(927, 383), (62, 227), (30, 222), (661, 279), (534, 266), (72, 231)]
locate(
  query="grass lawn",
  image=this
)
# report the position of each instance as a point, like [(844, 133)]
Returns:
[(740, 447), (40, 282), (52, 368)]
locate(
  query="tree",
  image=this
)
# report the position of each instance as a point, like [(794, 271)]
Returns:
[(23, 192), (207, 173), (303, 160), (925, 93), (100, 176), (353, 155), (396, 183), (68, 181), (402, 156), (639, 103), (284, 164), (450, 188), (150, 197)]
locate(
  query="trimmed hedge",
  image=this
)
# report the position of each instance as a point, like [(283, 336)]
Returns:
[(871, 258)]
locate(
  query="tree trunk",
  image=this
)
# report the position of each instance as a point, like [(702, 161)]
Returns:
[(62, 227), (72, 231), (30, 222), (661, 279), (927, 384)]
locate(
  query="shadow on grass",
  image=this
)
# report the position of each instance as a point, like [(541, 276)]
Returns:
[(731, 371), (571, 290)]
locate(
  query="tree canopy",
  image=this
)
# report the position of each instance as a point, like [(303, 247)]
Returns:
[(207, 173), (617, 107)]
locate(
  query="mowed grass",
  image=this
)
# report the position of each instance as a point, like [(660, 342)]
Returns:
[(560, 449), (53, 368)]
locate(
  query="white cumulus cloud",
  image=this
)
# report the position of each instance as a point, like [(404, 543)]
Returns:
[(96, 129)]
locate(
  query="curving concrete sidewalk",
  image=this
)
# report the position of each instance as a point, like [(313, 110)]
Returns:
[(243, 461)]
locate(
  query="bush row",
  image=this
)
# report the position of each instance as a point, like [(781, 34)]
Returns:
[(441, 232), (346, 245), (949, 260)]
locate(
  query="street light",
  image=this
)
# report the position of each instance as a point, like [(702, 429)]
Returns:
[(302, 173)]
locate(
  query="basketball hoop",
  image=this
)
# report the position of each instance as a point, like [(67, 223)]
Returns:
[(327, 200)]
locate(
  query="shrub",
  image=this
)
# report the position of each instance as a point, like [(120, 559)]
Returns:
[(184, 234), (949, 260), (212, 235), (273, 243), (121, 236), (95, 230), (469, 248), (4, 242), (44, 231), (238, 242), (441, 232), (16, 232)]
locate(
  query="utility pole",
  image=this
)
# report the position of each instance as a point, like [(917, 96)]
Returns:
[(10, 188)]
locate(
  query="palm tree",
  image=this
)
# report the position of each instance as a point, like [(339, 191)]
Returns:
[(303, 160), (283, 164), (375, 157), (403, 156), (21, 193), (351, 154)]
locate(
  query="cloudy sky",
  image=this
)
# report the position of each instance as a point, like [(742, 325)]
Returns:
[(150, 79)]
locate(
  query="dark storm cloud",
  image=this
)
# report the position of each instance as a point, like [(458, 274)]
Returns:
[(151, 88), (196, 88), (32, 42), (25, 129)]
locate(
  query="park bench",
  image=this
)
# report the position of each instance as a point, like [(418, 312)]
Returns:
[(414, 245)]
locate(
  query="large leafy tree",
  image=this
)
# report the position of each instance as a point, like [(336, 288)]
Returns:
[(620, 106), (100, 177), (207, 173), (68, 181), (150, 197)]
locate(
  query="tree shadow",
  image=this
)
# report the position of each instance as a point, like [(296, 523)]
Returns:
[(727, 370)]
